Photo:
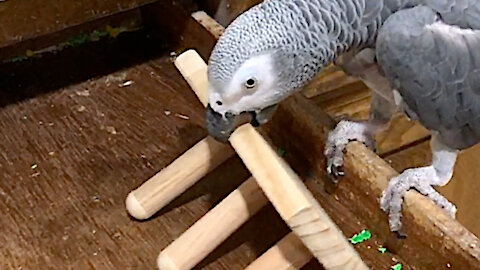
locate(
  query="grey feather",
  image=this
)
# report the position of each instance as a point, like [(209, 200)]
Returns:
[(436, 68), (303, 35), (436, 74)]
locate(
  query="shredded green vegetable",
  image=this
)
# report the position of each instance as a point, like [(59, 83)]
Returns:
[(397, 266), (361, 237)]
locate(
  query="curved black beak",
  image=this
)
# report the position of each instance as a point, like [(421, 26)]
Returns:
[(221, 128)]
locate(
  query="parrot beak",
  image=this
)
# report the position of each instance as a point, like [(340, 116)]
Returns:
[(221, 128)]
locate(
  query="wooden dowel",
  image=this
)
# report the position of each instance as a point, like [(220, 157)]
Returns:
[(282, 186), (181, 174), (161, 189), (294, 202), (213, 228), (288, 254)]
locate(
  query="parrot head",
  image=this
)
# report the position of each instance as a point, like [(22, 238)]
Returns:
[(255, 64), (251, 96)]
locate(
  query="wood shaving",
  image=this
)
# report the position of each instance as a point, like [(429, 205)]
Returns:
[(184, 117)]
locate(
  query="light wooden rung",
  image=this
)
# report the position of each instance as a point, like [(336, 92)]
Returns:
[(282, 186), (288, 254), (172, 181), (186, 170), (213, 228)]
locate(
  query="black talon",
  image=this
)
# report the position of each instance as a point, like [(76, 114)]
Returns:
[(400, 234), (336, 172)]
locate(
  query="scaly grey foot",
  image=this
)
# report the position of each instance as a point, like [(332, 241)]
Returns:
[(421, 179), (345, 132)]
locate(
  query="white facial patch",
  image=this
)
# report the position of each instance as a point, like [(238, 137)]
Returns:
[(237, 97)]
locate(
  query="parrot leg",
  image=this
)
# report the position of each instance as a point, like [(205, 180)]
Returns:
[(422, 179), (383, 105), (347, 131)]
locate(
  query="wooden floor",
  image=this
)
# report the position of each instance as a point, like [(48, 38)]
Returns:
[(76, 141), (82, 128)]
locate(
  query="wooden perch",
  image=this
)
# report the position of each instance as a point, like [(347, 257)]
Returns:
[(213, 228), (281, 185), (186, 170), (181, 174), (288, 254), (434, 239)]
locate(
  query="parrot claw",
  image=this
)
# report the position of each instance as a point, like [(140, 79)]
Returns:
[(420, 179), (344, 132), (335, 169)]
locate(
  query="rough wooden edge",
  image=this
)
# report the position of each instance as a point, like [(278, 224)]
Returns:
[(419, 211), (23, 20)]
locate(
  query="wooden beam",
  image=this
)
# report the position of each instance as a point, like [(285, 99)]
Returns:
[(213, 228), (464, 188), (434, 240), (288, 254), (281, 185), (181, 174), (27, 19)]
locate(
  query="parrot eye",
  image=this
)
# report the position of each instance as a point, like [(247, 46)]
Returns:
[(219, 103), (250, 83)]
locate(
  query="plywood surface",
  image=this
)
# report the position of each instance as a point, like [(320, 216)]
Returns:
[(79, 131), (22, 20)]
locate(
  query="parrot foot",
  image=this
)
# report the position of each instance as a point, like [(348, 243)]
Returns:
[(421, 179), (345, 132)]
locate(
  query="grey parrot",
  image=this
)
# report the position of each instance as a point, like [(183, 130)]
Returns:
[(421, 57)]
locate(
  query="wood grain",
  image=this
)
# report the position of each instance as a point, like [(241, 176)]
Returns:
[(172, 181), (213, 228), (288, 254), (280, 183), (463, 189), (23, 20), (75, 141), (354, 202)]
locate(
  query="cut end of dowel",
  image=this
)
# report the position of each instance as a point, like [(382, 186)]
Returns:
[(164, 262), (134, 208), (193, 68)]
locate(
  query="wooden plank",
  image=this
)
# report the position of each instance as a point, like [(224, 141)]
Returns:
[(434, 239), (118, 23), (464, 188), (331, 79), (23, 20)]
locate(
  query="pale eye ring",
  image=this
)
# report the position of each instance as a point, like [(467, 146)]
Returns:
[(250, 83)]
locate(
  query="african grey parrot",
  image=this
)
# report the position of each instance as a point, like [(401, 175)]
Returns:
[(418, 56)]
